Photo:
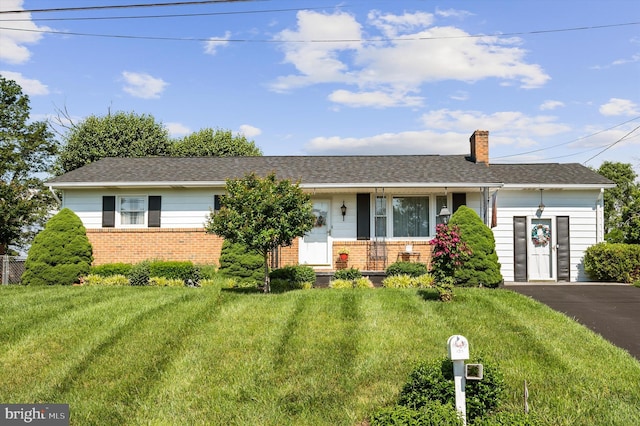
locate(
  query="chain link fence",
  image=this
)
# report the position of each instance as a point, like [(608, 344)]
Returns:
[(11, 269)]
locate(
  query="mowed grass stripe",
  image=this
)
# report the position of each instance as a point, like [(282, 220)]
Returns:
[(528, 355), (39, 363), (22, 313), (116, 383), (219, 378), (321, 357)]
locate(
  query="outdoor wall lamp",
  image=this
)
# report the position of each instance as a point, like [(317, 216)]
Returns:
[(541, 205), (343, 209), (445, 213)]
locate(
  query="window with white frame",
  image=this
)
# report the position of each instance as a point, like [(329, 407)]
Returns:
[(403, 216), (381, 216), (132, 210), (410, 216)]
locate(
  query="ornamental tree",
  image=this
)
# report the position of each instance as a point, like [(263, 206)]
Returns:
[(482, 267), (263, 214)]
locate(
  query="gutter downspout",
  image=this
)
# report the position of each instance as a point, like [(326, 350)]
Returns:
[(600, 217), (55, 196)]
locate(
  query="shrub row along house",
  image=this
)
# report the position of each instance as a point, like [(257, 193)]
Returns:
[(380, 208)]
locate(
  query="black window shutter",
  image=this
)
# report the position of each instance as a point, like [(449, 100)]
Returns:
[(108, 211), (458, 199), (363, 216), (520, 248), (216, 203), (563, 248), (155, 203)]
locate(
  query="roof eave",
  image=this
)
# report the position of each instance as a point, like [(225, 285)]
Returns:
[(557, 186)]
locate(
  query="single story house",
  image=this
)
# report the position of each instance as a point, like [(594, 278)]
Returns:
[(381, 208)]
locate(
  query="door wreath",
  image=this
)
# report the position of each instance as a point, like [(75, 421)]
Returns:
[(540, 234)]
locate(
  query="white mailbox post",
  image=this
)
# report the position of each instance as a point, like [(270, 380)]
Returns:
[(458, 348)]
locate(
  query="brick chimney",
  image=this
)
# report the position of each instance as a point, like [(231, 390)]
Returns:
[(480, 147)]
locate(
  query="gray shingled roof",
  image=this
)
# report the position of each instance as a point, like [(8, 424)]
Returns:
[(327, 170), (548, 174)]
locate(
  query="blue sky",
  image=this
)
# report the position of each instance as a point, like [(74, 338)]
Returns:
[(555, 81)]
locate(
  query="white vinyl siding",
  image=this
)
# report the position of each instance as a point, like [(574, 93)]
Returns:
[(181, 208), (580, 206)]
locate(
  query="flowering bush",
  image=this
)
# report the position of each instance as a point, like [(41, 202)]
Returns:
[(449, 253)]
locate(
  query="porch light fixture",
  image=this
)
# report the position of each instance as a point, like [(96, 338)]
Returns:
[(445, 213), (343, 209), (541, 205)]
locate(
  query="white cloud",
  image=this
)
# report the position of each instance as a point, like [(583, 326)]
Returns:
[(415, 142), (412, 53), (29, 86), (212, 45), (453, 13), (394, 25), (141, 85), (550, 104), (17, 33), (513, 125), (446, 132), (617, 106), (375, 99), (177, 129), (460, 95), (249, 131)]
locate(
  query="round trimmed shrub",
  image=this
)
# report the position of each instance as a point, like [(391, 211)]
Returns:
[(140, 275), (433, 381), (482, 268), (413, 269), (60, 254), (244, 266), (347, 274)]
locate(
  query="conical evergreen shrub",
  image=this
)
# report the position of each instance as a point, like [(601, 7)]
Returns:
[(245, 266), (482, 268), (60, 254)]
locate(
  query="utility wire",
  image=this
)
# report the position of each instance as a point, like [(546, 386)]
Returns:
[(320, 40), (567, 143), (125, 6), (176, 15), (611, 146)]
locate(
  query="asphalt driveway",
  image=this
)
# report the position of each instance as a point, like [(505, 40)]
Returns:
[(613, 311)]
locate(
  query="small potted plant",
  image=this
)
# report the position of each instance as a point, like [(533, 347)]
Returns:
[(344, 254)]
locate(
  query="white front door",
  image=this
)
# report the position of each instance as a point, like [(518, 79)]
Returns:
[(540, 250), (314, 246)]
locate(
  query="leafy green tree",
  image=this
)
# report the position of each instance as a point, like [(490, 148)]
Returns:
[(113, 135), (621, 204), (60, 254), (263, 214), (26, 153), (214, 143), (482, 267)]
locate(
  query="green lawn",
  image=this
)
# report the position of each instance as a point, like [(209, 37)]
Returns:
[(181, 356)]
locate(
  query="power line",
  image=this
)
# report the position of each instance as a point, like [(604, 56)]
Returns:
[(610, 146), (355, 40), (567, 143), (175, 15), (125, 6)]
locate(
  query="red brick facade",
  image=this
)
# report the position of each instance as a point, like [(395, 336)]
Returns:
[(111, 245)]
